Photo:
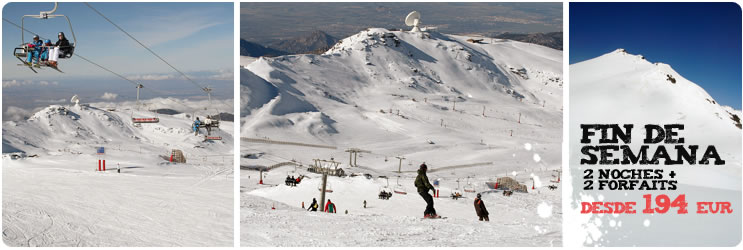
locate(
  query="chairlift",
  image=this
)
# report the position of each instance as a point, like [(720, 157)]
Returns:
[(328, 187), (211, 114), (21, 52), (469, 188), (138, 120), (385, 192), (400, 189), (456, 193)]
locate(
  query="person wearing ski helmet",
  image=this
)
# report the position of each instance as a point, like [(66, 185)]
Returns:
[(61, 49), (196, 125), (313, 206), (480, 209), (423, 185), (34, 54), (44, 56)]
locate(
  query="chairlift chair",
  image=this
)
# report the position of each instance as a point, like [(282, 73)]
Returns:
[(400, 189), (21, 52), (469, 188), (328, 187)]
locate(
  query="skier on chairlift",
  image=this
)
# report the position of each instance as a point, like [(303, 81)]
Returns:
[(61, 47), (208, 124), (196, 125), (35, 53)]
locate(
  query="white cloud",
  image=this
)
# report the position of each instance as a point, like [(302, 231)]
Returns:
[(47, 83), (152, 77), (176, 26), (109, 96), (15, 113), (222, 74), (17, 83), (50, 101)]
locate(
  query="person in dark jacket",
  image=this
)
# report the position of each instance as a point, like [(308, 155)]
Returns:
[(313, 206), (61, 47), (422, 184), (480, 209)]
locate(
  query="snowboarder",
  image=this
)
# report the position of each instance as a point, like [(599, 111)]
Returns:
[(364, 203), (313, 206), (196, 125), (330, 207), (480, 209), (303, 205), (62, 46), (422, 184), (118, 168)]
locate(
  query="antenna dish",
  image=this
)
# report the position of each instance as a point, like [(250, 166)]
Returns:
[(413, 19), (75, 100)]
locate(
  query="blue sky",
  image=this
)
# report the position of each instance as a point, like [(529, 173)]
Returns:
[(197, 38), (701, 41)]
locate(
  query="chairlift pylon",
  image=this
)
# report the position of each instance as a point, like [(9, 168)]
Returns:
[(21, 52)]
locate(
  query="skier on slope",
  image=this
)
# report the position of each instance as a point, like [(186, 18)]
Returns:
[(313, 206), (422, 184), (480, 209), (330, 207)]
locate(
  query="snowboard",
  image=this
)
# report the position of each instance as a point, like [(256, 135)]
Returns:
[(437, 217)]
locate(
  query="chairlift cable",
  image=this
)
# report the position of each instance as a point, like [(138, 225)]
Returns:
[(147, 48)]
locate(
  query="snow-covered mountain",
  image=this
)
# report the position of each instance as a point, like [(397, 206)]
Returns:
[(420, 95), (622, 88), (642, 93), (55, 197)]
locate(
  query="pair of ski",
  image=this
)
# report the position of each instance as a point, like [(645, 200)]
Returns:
[(32, 66)]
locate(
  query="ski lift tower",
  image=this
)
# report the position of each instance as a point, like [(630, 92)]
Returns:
[(353, 153), (139, 86), (325, 170), (399, 167)]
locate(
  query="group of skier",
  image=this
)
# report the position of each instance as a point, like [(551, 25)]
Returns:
[(423, 186), (207, 123), (329, 206), (44, 52)]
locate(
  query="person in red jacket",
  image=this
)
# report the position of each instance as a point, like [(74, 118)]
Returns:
[(330, 207)]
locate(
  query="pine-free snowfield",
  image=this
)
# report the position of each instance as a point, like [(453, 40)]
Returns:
[(59, 199), (479, 110)]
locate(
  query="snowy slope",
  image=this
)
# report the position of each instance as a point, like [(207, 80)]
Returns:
[(623, 88), (58, 199), (643, 93), (417, 95)]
